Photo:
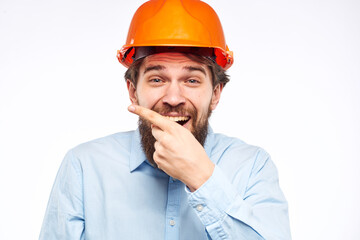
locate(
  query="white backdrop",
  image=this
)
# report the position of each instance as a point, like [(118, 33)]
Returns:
[(295, 91)]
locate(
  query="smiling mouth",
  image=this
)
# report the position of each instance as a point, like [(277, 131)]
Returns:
[(180, 120)]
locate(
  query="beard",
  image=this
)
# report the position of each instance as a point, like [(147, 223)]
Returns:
[(199, 128)]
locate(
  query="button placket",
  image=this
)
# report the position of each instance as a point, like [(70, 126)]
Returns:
[(173, 209)]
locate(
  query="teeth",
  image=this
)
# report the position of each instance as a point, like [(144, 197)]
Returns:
[(177, 119)]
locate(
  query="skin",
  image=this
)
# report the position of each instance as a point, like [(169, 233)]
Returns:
[(173, 79)]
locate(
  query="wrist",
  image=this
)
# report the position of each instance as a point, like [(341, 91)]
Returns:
[(201, 177)]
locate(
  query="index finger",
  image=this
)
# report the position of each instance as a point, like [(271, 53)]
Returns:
[(152, 116)]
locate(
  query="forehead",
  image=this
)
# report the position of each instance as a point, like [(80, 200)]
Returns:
[(171, 60)]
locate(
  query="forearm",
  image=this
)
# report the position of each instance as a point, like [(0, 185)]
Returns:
[(226, 215)]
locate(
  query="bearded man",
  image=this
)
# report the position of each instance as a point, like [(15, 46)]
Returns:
[(172, 178)]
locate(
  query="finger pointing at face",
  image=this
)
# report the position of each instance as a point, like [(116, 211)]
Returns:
[(177, 151), (153, 117)]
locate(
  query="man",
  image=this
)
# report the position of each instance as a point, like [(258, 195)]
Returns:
[(172, 178)]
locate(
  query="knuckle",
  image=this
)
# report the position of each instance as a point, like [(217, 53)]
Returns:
[(140, 111), (151, 115), (157, 146), (156, 157), (165, 141), (173, 128), (160, 150)]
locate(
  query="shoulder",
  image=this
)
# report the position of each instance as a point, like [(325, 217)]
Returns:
[(232, 151), (221, 143), (241, 161), (111, 145)]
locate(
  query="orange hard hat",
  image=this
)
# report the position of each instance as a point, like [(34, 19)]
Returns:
[(175, 25)]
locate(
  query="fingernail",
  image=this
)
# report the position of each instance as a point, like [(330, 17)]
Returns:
[(131, 108)]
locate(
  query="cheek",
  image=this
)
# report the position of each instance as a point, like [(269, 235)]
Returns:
[(201, 102), (148, 97)]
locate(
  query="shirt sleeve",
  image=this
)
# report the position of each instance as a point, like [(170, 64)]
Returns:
[(64, 217), (260, 213)]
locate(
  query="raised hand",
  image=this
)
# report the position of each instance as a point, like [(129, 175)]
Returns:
[(177, 152)]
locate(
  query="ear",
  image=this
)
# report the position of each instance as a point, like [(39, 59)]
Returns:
[(216, 96), (132, 92)]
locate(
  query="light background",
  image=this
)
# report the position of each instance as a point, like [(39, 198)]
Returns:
[(294, 91)]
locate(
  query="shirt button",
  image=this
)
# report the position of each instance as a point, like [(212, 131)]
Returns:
[(172, 222), (199, 207)]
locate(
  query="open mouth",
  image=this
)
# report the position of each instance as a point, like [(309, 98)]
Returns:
[(180, 120)]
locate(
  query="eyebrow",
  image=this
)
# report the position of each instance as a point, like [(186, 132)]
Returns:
[(200, 69), (152, 68), (161, 67)]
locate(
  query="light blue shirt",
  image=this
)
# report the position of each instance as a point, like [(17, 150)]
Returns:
[(106, 189)]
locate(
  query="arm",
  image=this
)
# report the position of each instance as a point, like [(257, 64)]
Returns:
[(261, 213), (64, 217)]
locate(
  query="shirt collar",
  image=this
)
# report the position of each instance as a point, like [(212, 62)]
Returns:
[(209, 142), (137, 155)]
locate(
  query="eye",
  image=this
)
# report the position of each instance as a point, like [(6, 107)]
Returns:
[(193, 81), (155, 80)]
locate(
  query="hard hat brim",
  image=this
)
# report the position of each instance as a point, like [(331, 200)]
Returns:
[(130, 53)]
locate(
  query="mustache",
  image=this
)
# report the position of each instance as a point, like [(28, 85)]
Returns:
[(178, 109)]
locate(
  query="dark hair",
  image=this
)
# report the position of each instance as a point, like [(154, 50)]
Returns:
[(219, 75)]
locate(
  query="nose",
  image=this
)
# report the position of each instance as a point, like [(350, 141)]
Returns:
[(174, 95)]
